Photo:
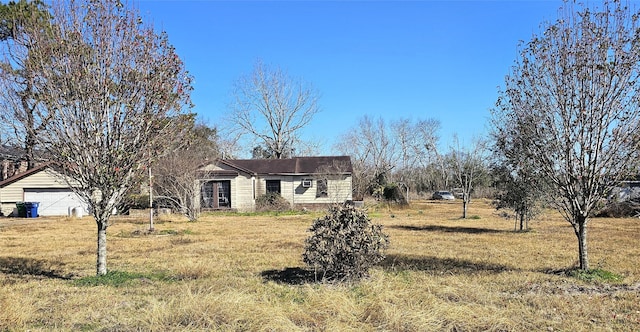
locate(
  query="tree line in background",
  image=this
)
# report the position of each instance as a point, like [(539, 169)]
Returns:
[(91, 87)]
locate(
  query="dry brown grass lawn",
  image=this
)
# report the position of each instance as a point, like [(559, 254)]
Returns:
[(245, 273)]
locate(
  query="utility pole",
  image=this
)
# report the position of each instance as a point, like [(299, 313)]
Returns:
[(151, 229)]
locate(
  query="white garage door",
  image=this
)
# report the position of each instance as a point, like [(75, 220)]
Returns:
[(53, 202)]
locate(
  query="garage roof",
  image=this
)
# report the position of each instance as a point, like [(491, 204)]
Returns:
[(23, 175)]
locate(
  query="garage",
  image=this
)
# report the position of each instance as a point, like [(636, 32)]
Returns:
[(53, 201)]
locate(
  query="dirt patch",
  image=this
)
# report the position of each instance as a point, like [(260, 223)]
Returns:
[(575, 289), (599, 289)]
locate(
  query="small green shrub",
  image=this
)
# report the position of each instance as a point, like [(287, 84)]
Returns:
[(597, 275), (272, 202), (344, 244)]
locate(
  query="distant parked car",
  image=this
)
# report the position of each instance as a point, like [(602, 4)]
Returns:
[(458, 193), (443, 195)]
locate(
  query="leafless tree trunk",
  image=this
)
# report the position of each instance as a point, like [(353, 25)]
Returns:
[(113, 89), (572, 102), (581, 233), (272, 108)]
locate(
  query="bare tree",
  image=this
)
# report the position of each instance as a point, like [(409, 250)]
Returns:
[(373, 153), (272, 108), (416, 144), (176, 174), (467, 167), (425, 140), (404, 135), (571, 100), (112, 88), (384, 152)]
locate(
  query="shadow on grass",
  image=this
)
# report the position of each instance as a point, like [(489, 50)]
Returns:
[(30, 267), (447, 229), (440, 265), (290, 276)]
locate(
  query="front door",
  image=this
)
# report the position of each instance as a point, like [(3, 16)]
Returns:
[(216, 195)]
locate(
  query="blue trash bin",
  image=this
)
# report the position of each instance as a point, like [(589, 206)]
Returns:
[(32, 209)]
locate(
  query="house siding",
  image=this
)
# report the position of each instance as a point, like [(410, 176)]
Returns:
[(14, 192), (241, 187), (338, 191), (286, 186), (242, 195), (291, 189)]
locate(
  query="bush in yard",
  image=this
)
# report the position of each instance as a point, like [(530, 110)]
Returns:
[(392, 192), (344, 244), (619, 210), (272, 202)]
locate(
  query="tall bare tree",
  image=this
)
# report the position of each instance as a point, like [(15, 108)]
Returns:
[(112, 88), (572, 102), (468, 167), (424, 138), (384, 152), (373, 153), (416, 144), (272, 108)]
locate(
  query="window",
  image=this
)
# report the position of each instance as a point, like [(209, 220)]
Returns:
[(206, 195), (273, 186), (224, 194), (321, 188)]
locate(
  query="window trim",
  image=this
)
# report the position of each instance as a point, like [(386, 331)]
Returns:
[(269, 186)]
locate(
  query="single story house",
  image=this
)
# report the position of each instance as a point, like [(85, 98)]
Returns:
[(303, 181), (42, 184)]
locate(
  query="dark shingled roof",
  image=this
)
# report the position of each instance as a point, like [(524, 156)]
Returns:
[(299, 165)]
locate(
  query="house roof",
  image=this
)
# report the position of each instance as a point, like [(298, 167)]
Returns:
[(293, 166), (23, 175)]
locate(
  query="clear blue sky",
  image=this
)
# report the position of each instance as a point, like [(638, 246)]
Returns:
[(417, 59)]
